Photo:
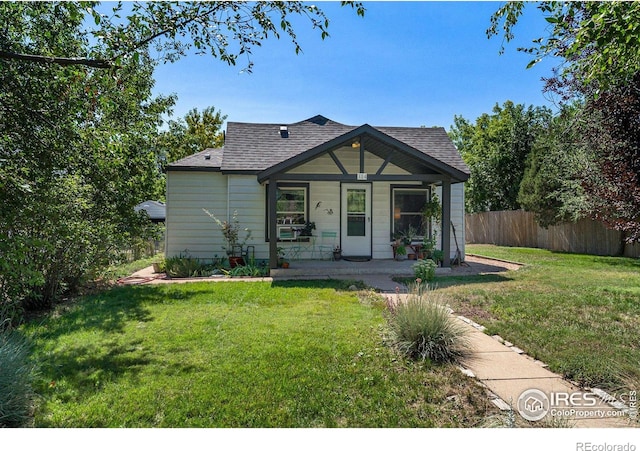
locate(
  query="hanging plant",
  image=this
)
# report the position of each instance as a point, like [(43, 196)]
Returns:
[(431, 211)]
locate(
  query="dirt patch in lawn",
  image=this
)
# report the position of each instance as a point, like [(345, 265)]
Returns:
[(475, 265)]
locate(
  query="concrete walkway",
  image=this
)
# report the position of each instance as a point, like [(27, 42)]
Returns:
[(507, 373)]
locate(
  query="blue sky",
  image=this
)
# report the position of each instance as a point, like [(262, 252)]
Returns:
[(403, 64)]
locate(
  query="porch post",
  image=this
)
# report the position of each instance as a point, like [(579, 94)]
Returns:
[(446, 222), (273, 229)]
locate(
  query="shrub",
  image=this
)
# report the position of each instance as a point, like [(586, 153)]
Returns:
[(437, 256), (422, 328), (425, 270), (250, 270), (16, 376), (182, 266), (11, 312)]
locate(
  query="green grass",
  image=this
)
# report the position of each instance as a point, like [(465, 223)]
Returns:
[(578, 313), (126, 269), (298, 354)]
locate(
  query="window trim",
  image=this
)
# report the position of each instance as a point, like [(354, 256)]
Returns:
[(285, 185), (393, 188)]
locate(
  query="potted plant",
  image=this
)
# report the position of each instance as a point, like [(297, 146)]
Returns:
[(432, 211), (408, 236), (401, 251), (280, 257), (308, 229), (231, 232), (398, 246), (437, 256), (337, 253), (428, 245), (158, 266)]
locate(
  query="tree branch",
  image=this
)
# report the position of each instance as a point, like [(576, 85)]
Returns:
[(97, 63)]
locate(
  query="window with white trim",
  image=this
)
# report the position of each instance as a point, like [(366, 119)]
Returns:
[(292, 210), (407, 206), (291, 205)]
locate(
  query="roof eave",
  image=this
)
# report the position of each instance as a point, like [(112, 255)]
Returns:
[(193, 169)]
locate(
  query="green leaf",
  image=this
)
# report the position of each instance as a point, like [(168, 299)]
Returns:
[(533, 63)]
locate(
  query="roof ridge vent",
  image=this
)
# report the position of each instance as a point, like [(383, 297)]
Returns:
[(284, 131)]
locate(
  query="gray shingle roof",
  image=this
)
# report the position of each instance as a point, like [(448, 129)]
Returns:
[(432, 141), (208, 158), (256, 147)]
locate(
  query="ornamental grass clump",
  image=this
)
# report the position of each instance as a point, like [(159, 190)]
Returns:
[(423, 329), (16, 376)]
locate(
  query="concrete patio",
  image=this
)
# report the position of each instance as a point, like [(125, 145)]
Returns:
[(378, 274), (325, 268)]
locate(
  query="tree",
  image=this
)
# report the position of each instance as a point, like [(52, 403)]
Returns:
[(496, 148), (552, 184), (186, 136), (193, 133), (74, 157), (223, 29), (205, 128), (596, 44), (612, 129), (79, 126)]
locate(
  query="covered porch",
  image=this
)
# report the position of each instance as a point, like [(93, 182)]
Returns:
[(364, 165)]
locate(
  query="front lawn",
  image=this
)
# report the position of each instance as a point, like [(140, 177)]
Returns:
[(578, 313), (298, 354)]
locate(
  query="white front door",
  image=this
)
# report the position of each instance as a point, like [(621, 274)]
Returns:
[(355, 230)]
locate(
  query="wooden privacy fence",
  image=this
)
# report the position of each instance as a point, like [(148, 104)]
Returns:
[(519, 228)]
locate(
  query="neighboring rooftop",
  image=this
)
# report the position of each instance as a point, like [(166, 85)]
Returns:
[(156, 210)]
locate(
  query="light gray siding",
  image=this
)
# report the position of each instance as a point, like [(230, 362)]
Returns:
[(188, 228), (248, 198)]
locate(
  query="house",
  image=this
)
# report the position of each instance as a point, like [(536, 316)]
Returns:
[(156, 210), (359, 185)]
